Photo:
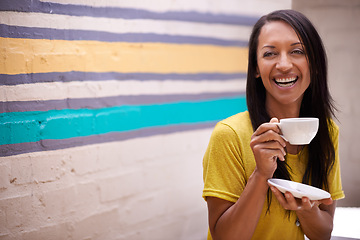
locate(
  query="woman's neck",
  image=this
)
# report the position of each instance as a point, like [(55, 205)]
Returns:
[(281, 111), (286, 113)]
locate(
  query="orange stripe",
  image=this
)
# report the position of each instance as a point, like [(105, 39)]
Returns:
[(43, 55)]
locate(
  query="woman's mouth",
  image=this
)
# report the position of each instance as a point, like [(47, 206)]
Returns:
[(286, 82)]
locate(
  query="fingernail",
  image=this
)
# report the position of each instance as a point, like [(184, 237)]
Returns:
[(272, 189)]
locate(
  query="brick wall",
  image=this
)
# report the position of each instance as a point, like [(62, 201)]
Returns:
[(106, 109)]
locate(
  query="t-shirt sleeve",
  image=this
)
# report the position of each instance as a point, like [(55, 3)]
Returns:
[(224, 174), (335, 185)]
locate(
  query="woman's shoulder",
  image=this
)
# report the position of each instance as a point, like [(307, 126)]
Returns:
[(242, 117), (239, 123), (333, 128)]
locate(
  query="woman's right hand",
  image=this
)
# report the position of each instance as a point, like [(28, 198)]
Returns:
[(267, 145)]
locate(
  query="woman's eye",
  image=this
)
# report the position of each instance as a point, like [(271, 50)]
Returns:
[(268, 54), (298, 51)]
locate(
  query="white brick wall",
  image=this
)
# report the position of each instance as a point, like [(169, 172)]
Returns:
[(144, 188), (153, 195)]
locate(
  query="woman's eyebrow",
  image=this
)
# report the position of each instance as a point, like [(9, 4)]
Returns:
[(268, 46), (293, 44)]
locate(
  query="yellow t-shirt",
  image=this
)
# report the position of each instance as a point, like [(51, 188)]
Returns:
[(229, 162)]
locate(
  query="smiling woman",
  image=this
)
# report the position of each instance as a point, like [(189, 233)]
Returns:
[(287, 78)]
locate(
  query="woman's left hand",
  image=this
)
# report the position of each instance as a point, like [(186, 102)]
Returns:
[(289, 202), (315, 217)]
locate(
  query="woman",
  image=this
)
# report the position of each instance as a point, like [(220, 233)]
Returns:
[(287, 77)]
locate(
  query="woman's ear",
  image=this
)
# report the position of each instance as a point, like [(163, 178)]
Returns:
[(257, 75)]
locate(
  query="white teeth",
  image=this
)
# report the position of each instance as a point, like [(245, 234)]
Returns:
[(285, 84), (285, 80)]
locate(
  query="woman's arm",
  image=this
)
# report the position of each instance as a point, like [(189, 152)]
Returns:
[(317, 222), (238, 220), (316, 217)]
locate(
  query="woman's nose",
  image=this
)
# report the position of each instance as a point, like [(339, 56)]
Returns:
[(284, 64)]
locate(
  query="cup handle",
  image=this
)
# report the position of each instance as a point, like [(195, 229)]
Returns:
[(280, 134)]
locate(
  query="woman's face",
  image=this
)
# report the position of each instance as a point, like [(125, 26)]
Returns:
[(282, 65)]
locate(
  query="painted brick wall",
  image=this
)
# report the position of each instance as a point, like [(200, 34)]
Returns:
[(106, 108)]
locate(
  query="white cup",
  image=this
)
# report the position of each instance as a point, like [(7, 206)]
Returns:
[(299, 131)]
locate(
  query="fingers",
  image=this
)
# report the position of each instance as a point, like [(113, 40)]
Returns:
[(282, 198), (268, 132), (274, 120), (326, 201), (266, 127), (307, 204), (269, 150), (278, 194), (268, 136), (289, 202), (267, 145)]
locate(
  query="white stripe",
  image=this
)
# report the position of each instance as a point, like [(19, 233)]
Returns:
[(112, 25), (243, 7), (205, 6), (109, 88)]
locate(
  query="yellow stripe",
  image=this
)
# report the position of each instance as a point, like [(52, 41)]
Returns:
[(43, 55)]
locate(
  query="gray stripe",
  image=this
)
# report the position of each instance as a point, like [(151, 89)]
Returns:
[(125, 13), (66, 34), (6, 79), (52, 144), (95, 103)]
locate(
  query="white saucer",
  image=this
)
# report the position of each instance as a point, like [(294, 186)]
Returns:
[(299, 190)]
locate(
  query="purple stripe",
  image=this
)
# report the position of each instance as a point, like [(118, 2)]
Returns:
[(125, 13), (50, 144), (61, 34), (6, 79), (95, 103)]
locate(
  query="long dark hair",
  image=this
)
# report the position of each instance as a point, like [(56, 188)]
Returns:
[(317, 101)]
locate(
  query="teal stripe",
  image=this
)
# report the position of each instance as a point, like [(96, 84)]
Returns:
[(20, 127)]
